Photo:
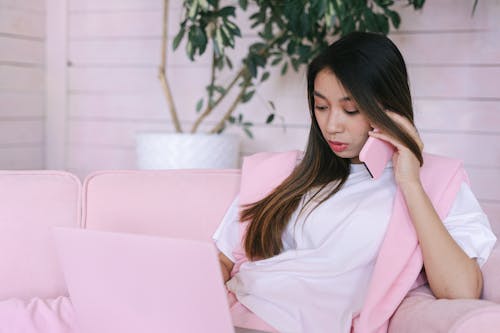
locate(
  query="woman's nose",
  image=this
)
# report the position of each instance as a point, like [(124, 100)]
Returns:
[(335, 122)]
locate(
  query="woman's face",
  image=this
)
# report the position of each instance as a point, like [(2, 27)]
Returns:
[(342, 125)]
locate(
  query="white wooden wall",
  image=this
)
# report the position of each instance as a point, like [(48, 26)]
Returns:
[(113, 50), (114, 47), (22, 84)]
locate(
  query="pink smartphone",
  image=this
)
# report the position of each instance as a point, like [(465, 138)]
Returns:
[(375, 154)]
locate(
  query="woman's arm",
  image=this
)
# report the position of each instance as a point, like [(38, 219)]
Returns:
[(226, 266), (450, 272)]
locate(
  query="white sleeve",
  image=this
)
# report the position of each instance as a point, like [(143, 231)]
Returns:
[(227, 235), (469, 226)]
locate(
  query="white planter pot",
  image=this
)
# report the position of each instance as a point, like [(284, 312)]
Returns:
[(187, 151)]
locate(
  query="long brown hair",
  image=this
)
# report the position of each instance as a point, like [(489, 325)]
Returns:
[(373, 71)]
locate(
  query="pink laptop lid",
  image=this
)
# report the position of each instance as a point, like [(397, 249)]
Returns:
[(135, 283)]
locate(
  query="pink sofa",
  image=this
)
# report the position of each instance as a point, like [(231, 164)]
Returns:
[(187, 204)]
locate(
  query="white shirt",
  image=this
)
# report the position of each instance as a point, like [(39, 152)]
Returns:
[(319, 281)]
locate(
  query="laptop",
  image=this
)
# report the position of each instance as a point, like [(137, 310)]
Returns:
[(125, 283)]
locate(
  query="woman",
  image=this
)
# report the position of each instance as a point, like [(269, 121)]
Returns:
[(306, 253)]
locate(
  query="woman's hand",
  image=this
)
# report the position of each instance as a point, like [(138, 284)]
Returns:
[(405, 163), (450, 271)]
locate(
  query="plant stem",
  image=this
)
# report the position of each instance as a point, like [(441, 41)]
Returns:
[(210, 108), (231, 109), (162, 74)]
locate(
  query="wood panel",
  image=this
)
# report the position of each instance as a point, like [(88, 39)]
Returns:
[(492, 209), (21, 105), (114, 24), (455, 82), (450, 15), (454, 65), (21, 131), (463, 115), (26, 5), (22, 23), (21, 51), (91, 157), (22, 82), (118, 5), (16, 79), (129, 52), (481, 180), (21, 157), (446, 49), (449, 48), (473, 149)]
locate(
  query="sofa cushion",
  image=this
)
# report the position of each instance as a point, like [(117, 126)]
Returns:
[(174, 203), (32, 202), (37, 316)]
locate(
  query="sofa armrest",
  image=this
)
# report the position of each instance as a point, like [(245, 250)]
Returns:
[(420, 311), (491, 276)]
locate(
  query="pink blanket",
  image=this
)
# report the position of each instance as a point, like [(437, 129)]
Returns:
[(400, 259)]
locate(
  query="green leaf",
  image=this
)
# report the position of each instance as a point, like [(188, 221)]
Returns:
[(418, 4), (231, 119), (260, 60), (190, 50), (248, 132), (198, 38), (243, 4), (270, 118), (265, 76), (178, 38), (220, 89), (252, 68), (193, 10), (247, 124), (268, 30), (247, 96), (395, 18), (229, 63), (227, 11), (271, 103), (240, 118), (226, 38), (199, 105), (233, 28), (284, 68), (382, 23), (276, 61)]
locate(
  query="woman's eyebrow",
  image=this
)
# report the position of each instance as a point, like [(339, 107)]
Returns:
[(343, 99), (317, 94)]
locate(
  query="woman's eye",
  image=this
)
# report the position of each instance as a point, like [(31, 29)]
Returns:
[(321, 107), (351, 111)]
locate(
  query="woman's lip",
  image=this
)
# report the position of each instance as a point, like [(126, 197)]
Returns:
[(338, 146)]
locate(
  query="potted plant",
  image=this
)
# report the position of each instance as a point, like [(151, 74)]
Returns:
[(290, 34)]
